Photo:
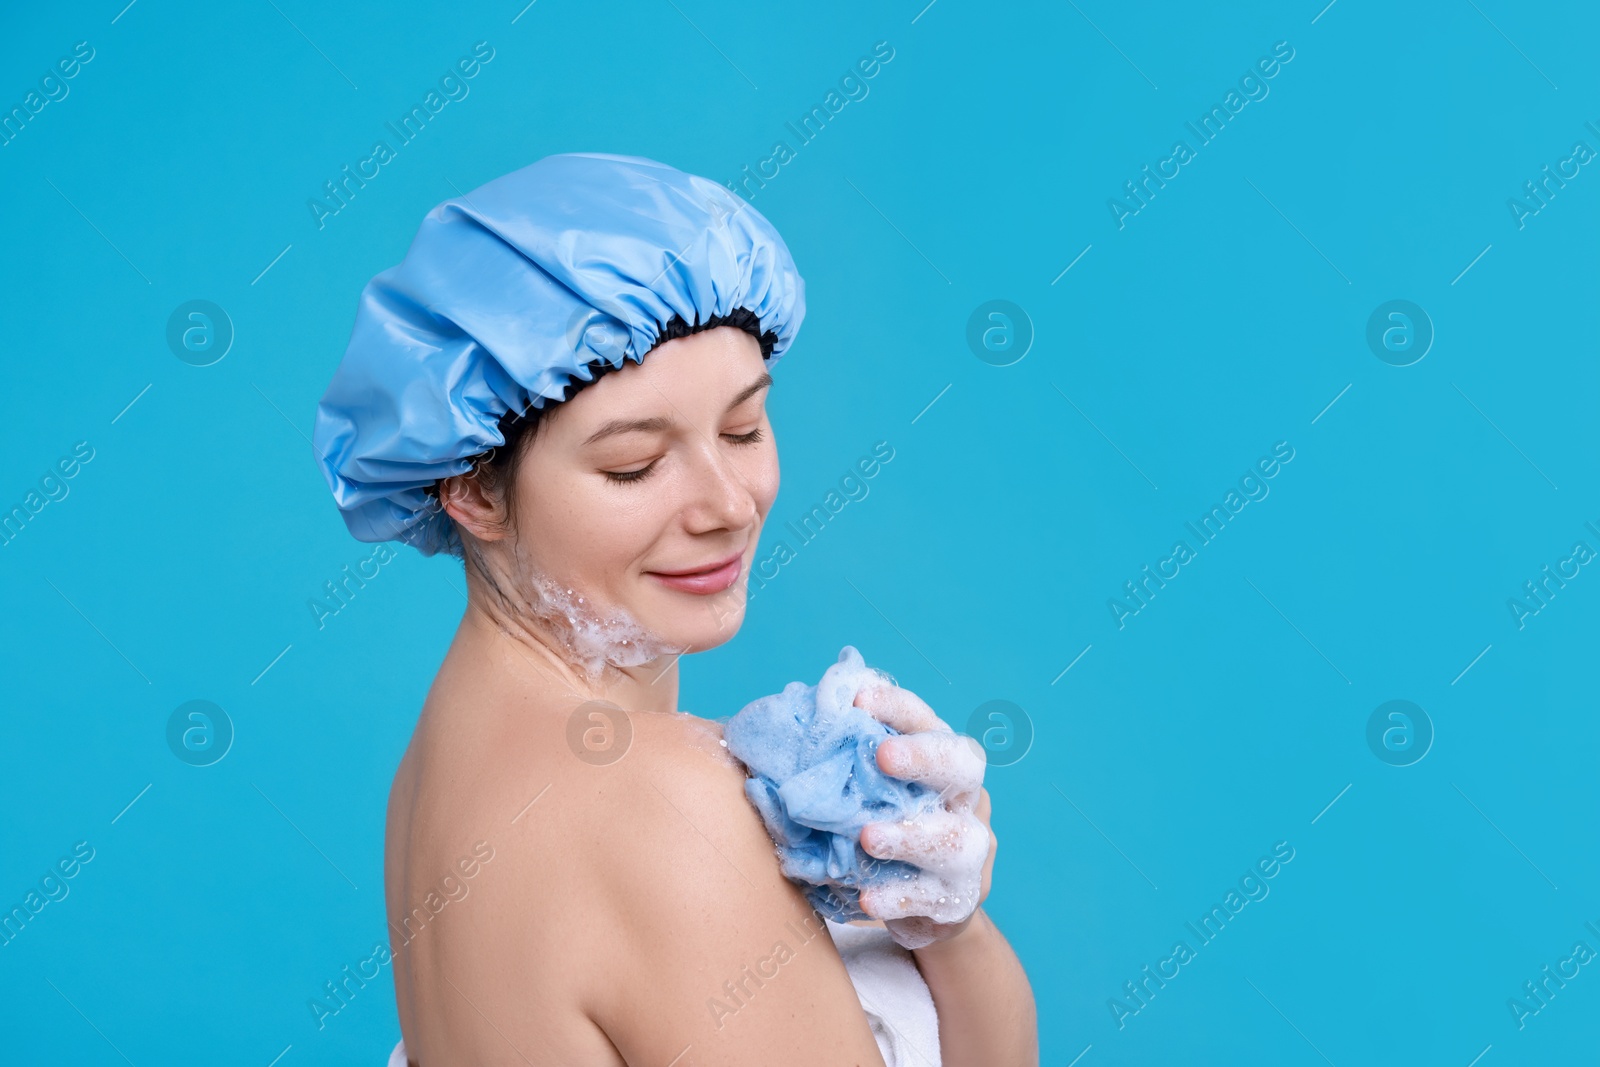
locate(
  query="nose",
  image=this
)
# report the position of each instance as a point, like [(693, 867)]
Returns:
[(721, 497)]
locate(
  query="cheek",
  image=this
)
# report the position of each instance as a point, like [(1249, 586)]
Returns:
[(566, 528), (593, 528)]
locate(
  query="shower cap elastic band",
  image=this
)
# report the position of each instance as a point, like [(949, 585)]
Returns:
[(515, 290)]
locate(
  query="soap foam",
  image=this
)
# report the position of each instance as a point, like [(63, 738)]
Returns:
[(812, 755), (593, 636)]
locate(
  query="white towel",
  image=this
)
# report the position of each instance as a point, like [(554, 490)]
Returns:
[(892, 992), (899, 1006)]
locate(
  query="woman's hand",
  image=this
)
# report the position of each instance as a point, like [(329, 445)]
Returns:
[(953, 845)]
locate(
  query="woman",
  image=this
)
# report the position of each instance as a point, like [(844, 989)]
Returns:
[(550, 901)]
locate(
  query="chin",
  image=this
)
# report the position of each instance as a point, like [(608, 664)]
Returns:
[(704, 625)]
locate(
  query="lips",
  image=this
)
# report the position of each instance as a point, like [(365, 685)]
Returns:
[(703, 580)]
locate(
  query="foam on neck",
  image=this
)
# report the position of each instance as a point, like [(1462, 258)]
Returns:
[(592, 636), (595, 638)]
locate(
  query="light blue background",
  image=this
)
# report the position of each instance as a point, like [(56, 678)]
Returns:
[(1222, 319)]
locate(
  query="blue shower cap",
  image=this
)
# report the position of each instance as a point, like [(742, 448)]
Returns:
[(513, 291)]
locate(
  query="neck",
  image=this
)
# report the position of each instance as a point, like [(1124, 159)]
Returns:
[(545, 651)]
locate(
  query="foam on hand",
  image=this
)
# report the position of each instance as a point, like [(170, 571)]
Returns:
[(815, 780)]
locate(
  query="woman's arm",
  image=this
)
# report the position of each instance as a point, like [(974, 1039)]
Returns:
[(987, 1016)]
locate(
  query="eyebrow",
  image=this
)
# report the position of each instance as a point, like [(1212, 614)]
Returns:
[(657, 423)]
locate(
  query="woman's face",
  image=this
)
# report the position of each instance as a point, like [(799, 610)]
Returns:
[(661, 467)]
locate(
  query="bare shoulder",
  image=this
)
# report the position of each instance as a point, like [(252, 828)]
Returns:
[(631, 905), (489, 879), (712, 948)]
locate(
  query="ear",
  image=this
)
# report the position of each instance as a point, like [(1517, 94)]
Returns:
[(470, 503)]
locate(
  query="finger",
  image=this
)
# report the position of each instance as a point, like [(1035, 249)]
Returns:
[(954, 845), (915, 932), (982, 809), (896, 707), (988, 868), (951, 763), (927, 897)]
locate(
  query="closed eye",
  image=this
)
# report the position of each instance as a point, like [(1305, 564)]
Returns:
[(753, 437), (631, 476)]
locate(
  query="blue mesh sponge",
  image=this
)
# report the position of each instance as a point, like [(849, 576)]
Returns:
[(815, 780)]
